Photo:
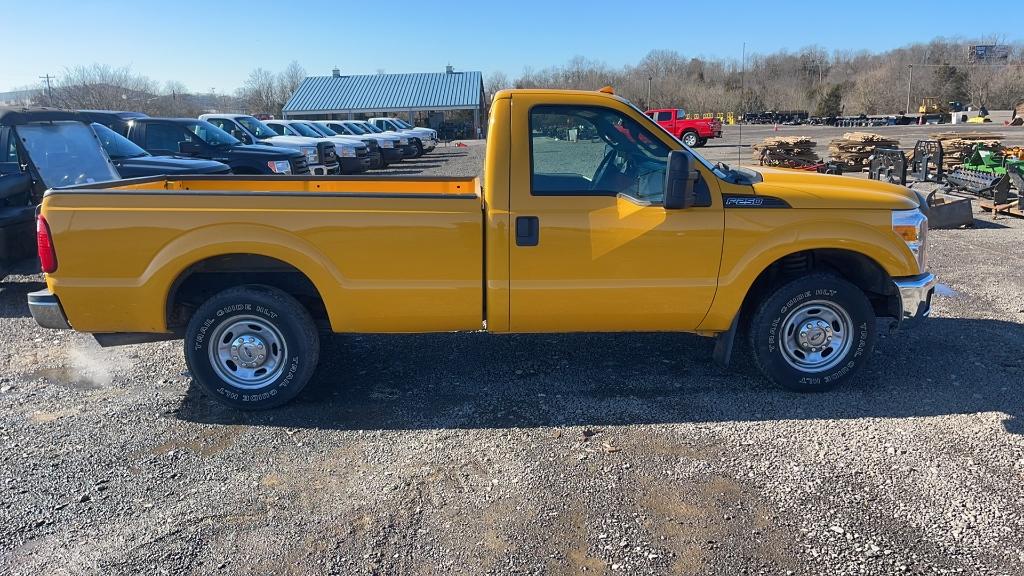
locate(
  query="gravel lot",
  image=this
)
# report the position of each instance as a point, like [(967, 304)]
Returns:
[(553, 454)]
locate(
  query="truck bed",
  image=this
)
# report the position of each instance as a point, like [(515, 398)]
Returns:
[(386, 254)]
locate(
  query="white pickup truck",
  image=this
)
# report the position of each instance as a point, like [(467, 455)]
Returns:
[(321, 155), (355, 155), (425, 139)]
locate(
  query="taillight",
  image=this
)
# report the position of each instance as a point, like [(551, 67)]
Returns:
[(44, 241)]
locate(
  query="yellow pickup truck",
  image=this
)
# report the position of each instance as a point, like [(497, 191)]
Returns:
[(590, 218)]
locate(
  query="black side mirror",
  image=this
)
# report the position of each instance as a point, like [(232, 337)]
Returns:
[(680, 178), (189, 148), (14, 185)]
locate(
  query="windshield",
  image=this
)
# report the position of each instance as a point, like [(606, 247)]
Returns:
[(402, 123), (66, 153), (211, 134), (116, 146), (258, 129), (324, 129), (370, 128), (355, 128), (305, 130)]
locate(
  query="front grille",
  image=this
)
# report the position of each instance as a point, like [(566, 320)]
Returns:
[(328, 155), (371, 144), (299, 165), (362, 151)]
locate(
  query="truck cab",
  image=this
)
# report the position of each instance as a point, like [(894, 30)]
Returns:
[(321, 156), (693, 132), (425, 139), (199, 139)]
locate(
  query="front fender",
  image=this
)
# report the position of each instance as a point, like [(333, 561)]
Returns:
[(757, 238)]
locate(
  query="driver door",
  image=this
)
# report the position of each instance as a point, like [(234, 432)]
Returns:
[(592, 247)]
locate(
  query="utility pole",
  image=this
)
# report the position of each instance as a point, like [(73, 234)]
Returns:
[(910, 84), (649, 80), (743, 106), (49, 91)]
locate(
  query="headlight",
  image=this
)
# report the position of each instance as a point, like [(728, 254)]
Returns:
[(311, 156), (912, 227), (403, 141), (347, 152), (279, 166), (386, 143)]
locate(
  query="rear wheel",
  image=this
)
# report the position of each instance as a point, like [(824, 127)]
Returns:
[(813, 333), (252, 347), (690, 138)]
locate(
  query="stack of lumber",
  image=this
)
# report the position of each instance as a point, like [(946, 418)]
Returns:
[(956, 146), (786, 151), (854, 148)]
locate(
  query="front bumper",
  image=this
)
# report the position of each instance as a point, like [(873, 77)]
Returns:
[(319, 170), (428, 144), (410, 151), (46, 310), (351, 165), (915, 297), (392, 154)]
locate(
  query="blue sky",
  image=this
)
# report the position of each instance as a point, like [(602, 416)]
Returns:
[(215, 44)]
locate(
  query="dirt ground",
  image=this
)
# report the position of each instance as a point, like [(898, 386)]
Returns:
[(530, 454)]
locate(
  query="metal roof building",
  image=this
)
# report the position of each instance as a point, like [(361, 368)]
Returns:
[(388, 94)]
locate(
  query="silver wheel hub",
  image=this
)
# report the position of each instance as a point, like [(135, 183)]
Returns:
[(816, 336), (247, 352)]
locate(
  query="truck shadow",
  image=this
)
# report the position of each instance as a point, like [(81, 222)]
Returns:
[(14, 293), (412, 382)]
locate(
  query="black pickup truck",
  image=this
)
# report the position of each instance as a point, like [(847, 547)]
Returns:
[(44, 148), (200, 139), (41, 148)]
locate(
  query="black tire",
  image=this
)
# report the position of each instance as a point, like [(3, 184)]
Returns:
[(419, 146), (689, 138), (701, 142), (266, 315), (839, 306)]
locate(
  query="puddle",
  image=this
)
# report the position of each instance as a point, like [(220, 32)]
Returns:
[(945, 291), (69, 377)]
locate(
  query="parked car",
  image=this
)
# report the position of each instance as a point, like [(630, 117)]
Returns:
[(321, 155), (200, 139), (638, 234), (354, 155), (424, 139), (692, 132), (389, 147), (116, 120), (132, 161), (409, 149), (41, 148)]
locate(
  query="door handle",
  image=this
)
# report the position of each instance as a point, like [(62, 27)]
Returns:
[(527, 230)]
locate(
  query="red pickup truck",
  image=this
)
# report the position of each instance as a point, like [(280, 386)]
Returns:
[(693, 133)]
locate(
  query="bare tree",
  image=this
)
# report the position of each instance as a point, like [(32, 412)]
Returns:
[(288, 81), (99, 86), (259, 92)]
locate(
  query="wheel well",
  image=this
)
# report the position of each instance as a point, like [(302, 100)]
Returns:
[(854, 267), (207, 277)]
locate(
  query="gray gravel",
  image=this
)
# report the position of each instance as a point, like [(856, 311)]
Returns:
[(530, 454)]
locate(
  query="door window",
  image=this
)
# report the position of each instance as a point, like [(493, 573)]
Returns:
[(165, 137), (594, 151), (11, 150), (664, 116)]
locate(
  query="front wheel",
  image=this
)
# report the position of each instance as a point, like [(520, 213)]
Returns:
[(419, 147), (813, 333), (690, 138), (252, 347), (701, 142)]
